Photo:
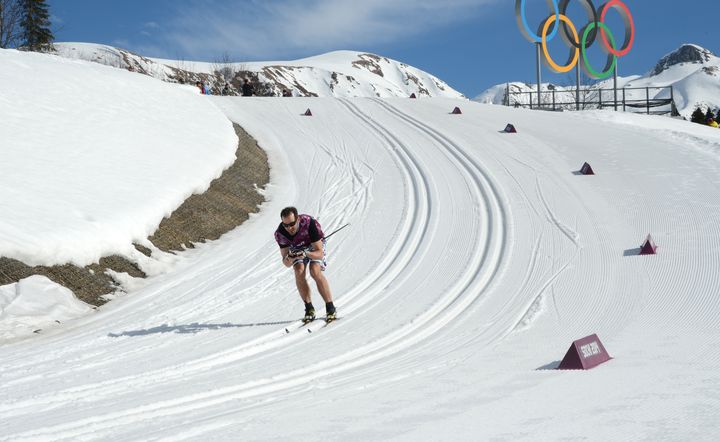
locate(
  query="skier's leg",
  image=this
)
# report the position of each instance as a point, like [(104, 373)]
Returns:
[(322, 283), (301, 281)]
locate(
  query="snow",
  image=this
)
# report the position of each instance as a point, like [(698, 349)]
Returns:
[(36, 302), (473, 259), (83, 143), (334, 74)]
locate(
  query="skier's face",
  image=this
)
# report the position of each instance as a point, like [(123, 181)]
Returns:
[(290, 223)]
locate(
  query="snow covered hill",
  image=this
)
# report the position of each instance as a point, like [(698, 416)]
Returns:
[(694, 73), (82, 143), (335, 74), (473, 259)]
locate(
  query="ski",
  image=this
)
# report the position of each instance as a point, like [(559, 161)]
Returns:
[(298, 325), (304, 325), (327, 322)]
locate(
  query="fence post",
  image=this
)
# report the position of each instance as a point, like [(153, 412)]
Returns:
[(530, 93), (615, 86), (647, 99), (553, 93), (623, 99), (537, 67), (577, 91), (672, 101), (600, 95)]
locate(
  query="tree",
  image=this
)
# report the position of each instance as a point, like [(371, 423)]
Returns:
[(10, 15), (223, 67), (589, 93), (708, 115), (180, 70), (37, 35), (698, 116)]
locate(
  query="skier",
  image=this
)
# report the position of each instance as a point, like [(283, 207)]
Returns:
[(247, 89), (302, 244)]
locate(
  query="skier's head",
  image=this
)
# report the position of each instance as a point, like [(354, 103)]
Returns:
[(289, 216)]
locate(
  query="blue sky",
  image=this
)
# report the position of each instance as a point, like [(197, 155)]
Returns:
[(471, 44)]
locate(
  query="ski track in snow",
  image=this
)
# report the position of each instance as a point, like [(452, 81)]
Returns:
[(397, 267), (524, 243)]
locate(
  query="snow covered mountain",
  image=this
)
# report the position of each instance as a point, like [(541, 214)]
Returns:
[(685, 55), (335, 74), (693, 71)]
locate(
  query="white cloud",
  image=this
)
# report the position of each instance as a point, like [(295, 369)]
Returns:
[(121, 43), (278, 28), (149, 29)]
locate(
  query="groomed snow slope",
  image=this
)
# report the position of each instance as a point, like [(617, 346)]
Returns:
[(473, 259)]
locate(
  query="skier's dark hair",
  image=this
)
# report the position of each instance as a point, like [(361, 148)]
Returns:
[(287, 211)]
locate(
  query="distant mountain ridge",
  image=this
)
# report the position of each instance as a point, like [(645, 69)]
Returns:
[(687, 53), (692, 71), (335, 74)]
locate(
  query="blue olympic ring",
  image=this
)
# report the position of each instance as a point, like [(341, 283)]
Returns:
[(525, 28)]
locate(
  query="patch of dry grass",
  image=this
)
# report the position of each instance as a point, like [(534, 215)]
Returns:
[(225, 205)]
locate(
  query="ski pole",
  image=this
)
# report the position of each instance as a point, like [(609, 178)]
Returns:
[(336, 231), (324, 238)]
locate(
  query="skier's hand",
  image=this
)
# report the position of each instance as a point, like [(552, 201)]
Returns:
[(296, 253)]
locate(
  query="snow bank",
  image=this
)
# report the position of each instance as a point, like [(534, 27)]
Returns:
[(35, 303), (94, 157)]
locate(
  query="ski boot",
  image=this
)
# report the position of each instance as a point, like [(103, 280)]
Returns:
[(330, 316), (309, 316)]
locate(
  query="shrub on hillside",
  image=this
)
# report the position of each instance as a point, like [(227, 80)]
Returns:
[(709, 114), (698, 116)]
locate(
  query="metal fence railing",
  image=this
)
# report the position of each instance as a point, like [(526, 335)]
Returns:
[(649, 100)]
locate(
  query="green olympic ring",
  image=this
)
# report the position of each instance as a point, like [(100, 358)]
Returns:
[(610, 66)]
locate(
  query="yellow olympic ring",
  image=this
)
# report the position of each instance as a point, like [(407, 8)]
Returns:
[(551, 63)]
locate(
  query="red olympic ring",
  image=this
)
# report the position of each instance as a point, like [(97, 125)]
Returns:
[(629, 25)]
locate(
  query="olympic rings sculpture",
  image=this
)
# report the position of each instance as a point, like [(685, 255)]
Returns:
[(579, 41)]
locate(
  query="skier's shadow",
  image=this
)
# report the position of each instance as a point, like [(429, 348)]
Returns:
[(191, 328)]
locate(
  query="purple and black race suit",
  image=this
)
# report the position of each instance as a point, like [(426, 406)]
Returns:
[(308, 232)]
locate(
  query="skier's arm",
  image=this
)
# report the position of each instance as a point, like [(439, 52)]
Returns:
[(286, 259), (317, 250)]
